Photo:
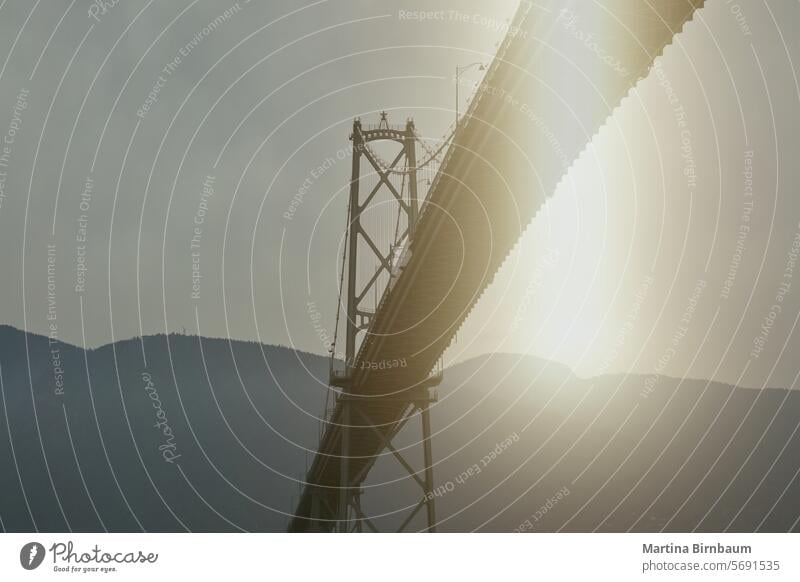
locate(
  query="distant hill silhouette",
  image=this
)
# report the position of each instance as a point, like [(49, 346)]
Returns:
[(576, 455)]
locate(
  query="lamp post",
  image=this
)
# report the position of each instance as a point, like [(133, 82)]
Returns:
[(462, 69)]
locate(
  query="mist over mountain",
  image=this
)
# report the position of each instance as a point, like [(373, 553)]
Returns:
[(231, 427), (174, 433)]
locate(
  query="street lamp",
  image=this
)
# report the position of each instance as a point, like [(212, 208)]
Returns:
[(459, 70)]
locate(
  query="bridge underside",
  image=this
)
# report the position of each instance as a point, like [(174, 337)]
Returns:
[(543, 98)]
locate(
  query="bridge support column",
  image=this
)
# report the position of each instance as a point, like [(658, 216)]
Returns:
[(337, 506), (430, 504), (344, 470), (360, 420)]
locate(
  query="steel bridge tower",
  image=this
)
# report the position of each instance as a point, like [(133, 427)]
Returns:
[(337, 507)]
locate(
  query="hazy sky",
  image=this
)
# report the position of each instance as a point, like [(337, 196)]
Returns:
[(136, 130)]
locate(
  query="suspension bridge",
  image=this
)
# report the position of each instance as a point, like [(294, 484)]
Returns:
[(562, 69)]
